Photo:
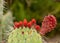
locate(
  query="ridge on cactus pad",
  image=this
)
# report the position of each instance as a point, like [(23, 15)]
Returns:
[(24, 35)]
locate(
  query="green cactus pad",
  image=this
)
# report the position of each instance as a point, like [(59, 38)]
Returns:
[(24, 35)]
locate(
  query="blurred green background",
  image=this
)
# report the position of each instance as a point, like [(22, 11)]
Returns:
[(34, 9)]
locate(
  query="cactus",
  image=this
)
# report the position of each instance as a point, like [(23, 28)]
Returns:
[(28, 32), (1, 14), (24, 33), (1, 6), (6, 25), (48, 24)]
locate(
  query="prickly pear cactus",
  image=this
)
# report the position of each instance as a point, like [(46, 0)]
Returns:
[(25, 33), (49, 23)]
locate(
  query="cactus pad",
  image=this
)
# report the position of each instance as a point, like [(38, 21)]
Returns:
[(24, 35)]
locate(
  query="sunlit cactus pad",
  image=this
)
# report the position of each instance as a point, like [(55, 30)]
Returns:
[(24, 35)]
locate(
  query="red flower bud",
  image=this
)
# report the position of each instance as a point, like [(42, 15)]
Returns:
[(29, 24), (33, 21), (16, 24), (37, 27), (25, 22), (20, 23)]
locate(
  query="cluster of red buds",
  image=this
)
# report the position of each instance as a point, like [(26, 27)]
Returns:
[(48, 24), (25, 23)]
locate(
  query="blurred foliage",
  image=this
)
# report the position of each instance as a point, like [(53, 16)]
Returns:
[(35, 9)]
